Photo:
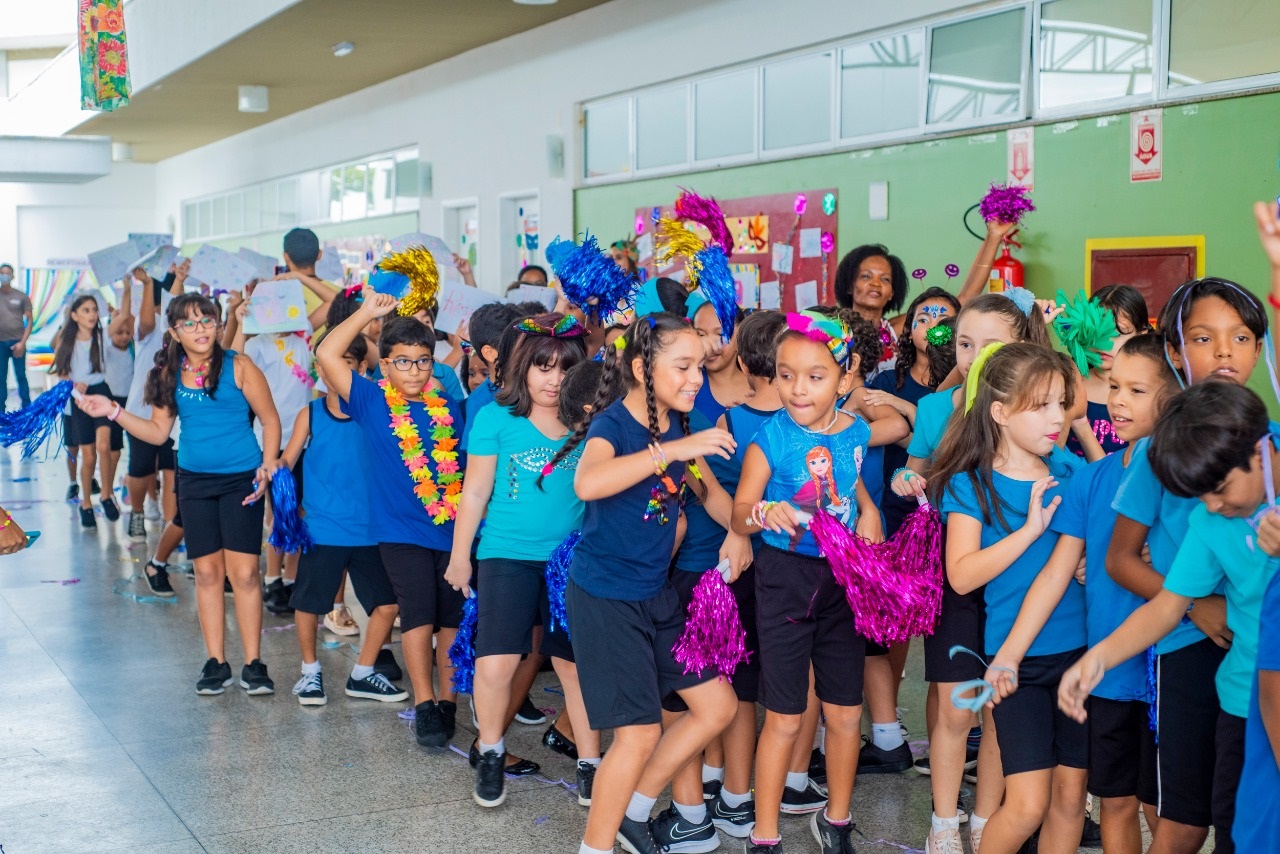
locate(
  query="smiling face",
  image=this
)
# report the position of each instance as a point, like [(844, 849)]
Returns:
[(197, 332), (719, 355), (1137, 384), (873, 284), (1217, 342), (1241, 492), (975, 330), (809, 380), (928, 315), (677, 370), (1035, 429)]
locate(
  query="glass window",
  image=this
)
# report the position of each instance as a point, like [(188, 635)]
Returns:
[(608, 137), (1092, 51), (235, 213), (288, 210), (219, 216), (797, 101), (189, 221), (975, 69), (725, 116), (205, 227), (662, 127), (382, 187), (354, 204), (407, 184), (270, 206), (880, 85), (252, 210), (309, 209), (1223, 40)]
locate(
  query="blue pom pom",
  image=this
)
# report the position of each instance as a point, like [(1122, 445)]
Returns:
[(462, 653), (35, 424), (395, 284), (589, 278), (558, 579), (1152, 718), (716, 283), (1022, 298), (289, 532)]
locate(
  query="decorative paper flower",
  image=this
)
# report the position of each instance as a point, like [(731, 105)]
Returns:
[(111, 57), (1086, 330)]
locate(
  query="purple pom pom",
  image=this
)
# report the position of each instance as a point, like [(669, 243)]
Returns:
[(707, 213), (462, 652), (713, 637), (557, 575), (289, 532), (36, 423), (1006, 203)]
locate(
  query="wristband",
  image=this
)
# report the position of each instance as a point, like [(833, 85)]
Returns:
[(759, 511), (5, 523), (659, 458), (901, 470), (1275, 303), (115, 413)]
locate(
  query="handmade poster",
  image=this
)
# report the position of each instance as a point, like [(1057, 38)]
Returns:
[(770, 295), (404, 241), (157, 262), (457, 302), (276, 307), (534, 293), (644, 249), (806, 295), (146, 241), (111, 264), (1146, 146), (782, 255), (220, 270), (265, 265), (329, 267), (750, 234), (810, 243), (746, 283)]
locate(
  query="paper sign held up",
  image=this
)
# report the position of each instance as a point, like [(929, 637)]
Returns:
[(111, 264), (148, 242), (220, 270), (457, 303), (534, 293), (265, 265), (329, 267), (276, 307), (156, 263)]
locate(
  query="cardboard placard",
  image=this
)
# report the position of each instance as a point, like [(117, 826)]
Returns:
[(110, 265), (534, 293), (457, 303), (220, 270), (276, 307)]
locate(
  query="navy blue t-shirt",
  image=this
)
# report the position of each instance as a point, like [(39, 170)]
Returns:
[(703, 536), (895, 456), (483, 395), (706, 402)]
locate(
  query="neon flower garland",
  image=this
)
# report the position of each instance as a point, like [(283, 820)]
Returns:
[(441, 509)]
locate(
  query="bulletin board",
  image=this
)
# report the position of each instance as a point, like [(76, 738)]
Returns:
[(784, 246)]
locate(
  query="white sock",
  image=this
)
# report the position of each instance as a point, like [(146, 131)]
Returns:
[(288, 582), (499, 748), (797, 780), (160, 563), (388, 647), (584, 848), (696, 814), (711, 774), (886, 736), (942, 824), (640, 807), (309, 669), (337, 605), (733, 801), (361, 671), (271, 579), (595, 761), (976, 822)]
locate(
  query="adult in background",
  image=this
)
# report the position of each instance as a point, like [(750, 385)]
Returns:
[(15, 326)]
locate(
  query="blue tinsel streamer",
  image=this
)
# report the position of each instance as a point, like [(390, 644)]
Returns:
[(289, 532), (1152, 716), (589, 278), (462, 653), (35, 424), (558, 578), (716, 283)]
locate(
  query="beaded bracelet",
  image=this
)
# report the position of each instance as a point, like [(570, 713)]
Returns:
[(8, 519), (659, 459), (900, 470), (759, 511)]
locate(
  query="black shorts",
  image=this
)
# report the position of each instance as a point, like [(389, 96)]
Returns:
[(145, 459), (514, 600), (1033, 733), (1187, 723), (961, 622), (746, 679), (1229, 744), (117, 432), (804, 619), (424, 597), (623, 652), (81, 427), (320, 577), (216, 516), (1122, 750), (177, 479)]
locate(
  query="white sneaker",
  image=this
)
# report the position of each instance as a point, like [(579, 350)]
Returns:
[(975, 836), (946, 842), (154, 514), (340, 622)]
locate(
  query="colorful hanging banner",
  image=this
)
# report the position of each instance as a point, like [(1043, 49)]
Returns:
[(104, 61)]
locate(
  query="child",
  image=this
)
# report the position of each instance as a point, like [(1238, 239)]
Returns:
[(1213, 442), (485, 328), (1210, 327), (336, 462), (1121, 745), (724, 383), (117, 355), (1126, 304), (806, 458), (79, 356), (529, 513), (624, 616), (224, 474), (411, 514), (1000, 457), (1256, 817)]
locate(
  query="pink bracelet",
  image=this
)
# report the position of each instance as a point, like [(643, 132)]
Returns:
[(115, 413)]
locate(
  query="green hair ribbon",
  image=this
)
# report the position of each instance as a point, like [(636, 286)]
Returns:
[(975, 374)]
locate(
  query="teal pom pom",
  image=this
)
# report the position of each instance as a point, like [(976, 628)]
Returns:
[(289, 532), (716, 283), (1085, 329), (558, 579), (589, 278), (462, 653), (35, 424)]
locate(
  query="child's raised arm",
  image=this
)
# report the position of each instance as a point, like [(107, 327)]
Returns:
[(147, 313), (298, 439), (980, 273), (329, 353), (969, 566)]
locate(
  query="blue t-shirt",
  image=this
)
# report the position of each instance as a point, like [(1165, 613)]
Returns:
[(1103, 430), (813, 472), (706, 402), (1219, 549), (1086, 514), (1257, 822), (1065, 630), (524, 522), (703, 536), (217, 431), (483, 394), (443, 374), (336, 465), (933, 412), (744, 422), (622, 554), (396, 515), (895, 456)]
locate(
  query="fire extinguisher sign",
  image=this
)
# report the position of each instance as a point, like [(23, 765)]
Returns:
[(1146, 146)]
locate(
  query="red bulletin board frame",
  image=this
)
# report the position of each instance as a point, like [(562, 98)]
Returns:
[(783, 227)]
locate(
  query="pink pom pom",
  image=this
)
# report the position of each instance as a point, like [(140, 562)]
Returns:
[(713, 637), (1005, 203), (707, 213), (916, 551)]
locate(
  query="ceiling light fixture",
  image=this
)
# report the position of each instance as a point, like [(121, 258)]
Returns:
[(535, 2), (343, 49), (253, 99)]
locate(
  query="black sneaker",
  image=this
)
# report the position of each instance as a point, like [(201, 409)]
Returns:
[(832, 839), (310, 690), (215, 676), (86, 518), (1091, 836), (158, 579), (586, 779), (428, 725), (556, 741), (110, 510), (449, 715), (637, 837), (490, 781), (387, 665), (736, 821), (921, 764), (95, 488), (375, 687), (73, 492), (137, 528), (276, 598), (674, 833), (803, 801), (757, 848), (711, 789), (254, 678), (818, 767), (529, 714), (873, 760)]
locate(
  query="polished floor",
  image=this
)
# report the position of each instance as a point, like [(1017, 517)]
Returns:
[(104, 745)]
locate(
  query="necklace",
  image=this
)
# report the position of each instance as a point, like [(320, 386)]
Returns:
[(199, 373), (835, 416), (441, 508)]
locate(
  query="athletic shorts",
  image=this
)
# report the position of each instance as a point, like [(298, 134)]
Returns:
[(804, 620), (514, 601), (1229, 743), (746, 679), (117, 432), (417, 577), (623, 652), (1033, 733), (81, 427), (1122, 750), (146, 459), (1187, 714), (961, 622), (216, 516), (320, 578)]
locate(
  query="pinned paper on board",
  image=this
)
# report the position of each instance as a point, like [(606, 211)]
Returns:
[(276, 307), (146, 242), (810, 243), (746, 283), (750, 234), (265, 265), (806, 295), (534, 293), (770, 295), (782, 255), (110, 265), (329, 265), (456, 303), (220, 270), (157, 262)]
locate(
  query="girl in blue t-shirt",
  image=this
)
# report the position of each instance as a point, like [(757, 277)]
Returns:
[(997, 480), (1093, 435), (528, 510), (806, 458), (222, 470)]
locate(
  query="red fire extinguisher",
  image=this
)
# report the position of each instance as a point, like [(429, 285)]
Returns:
[(1006, 271)]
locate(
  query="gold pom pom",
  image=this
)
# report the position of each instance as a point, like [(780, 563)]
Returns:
[(676, 240), (424, 278)]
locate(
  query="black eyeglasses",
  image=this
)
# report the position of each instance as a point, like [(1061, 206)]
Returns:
[(190, 325), (426, 363)]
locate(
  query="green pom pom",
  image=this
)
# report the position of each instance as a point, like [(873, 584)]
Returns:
[(1086, 329)]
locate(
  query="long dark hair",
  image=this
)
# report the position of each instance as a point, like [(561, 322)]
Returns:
[(67, 341), (1126, 300), (942, 357), (531, 349), (907, 355), (1017, 375), (162, 380), (847, 272)]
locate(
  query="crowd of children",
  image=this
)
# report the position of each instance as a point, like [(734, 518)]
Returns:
[(1108, 611)]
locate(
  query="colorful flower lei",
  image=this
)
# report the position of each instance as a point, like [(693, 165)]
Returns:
[(441, 509)]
